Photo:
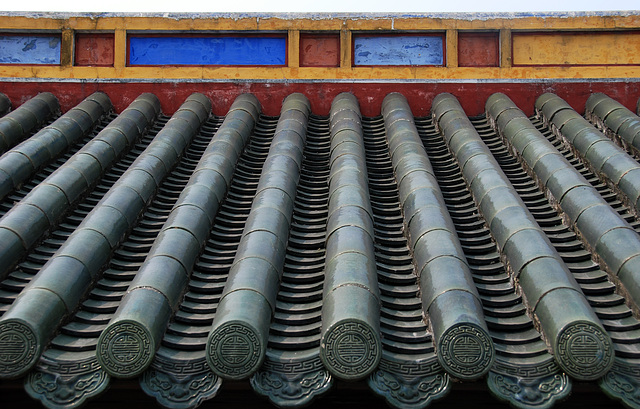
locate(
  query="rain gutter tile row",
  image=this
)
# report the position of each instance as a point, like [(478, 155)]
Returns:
[(162, 278), (60, 285), (71, 357), (17, 279), (181, 360), (450, 300), (605, 232), (17, 124), (603, 155), (350, 342), (616, 120), (617, 318), (534, 263), (293, 373), (237, 343), (69, 363), (23, 160), (49, 201), (408, 353), (523, 358)]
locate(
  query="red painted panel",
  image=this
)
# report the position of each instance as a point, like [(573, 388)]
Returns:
[(319, 50), (478, 49), (370, 95), (94, 49)]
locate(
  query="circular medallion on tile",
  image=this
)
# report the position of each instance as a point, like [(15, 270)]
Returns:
[(18, 347), (125, 349), (350, 350), (466, 351), (584, 351), (234, 351)]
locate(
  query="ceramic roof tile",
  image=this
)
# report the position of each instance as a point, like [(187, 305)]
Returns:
[(238, 340), (73, 268), (5, 104), (452, 300), (610, 113), (534, 263), (600, 153), (301, 250), (350, 336), (601, 226), (18, 124), (23, 160)]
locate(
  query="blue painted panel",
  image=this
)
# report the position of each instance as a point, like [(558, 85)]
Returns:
[(29, 49), (207, 50), (398, 50)]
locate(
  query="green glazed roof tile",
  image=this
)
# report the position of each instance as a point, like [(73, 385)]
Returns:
[(5, 104), (345, 239)]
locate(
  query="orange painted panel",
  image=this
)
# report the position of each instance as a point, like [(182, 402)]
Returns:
[(478, 49), (94, 49), (319, 50), (576, 48)]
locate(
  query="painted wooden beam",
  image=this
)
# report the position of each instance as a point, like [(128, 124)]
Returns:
[(576, 48), (452, 48)]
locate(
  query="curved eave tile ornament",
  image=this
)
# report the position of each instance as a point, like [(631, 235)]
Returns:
[(538, 386), (623, 383), (410, 384), (180, 385), (292, 382), (540, 393), (65, 385)]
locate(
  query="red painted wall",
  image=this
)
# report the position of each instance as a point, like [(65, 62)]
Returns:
[(370, 95), (94, 49), (478, 49), (319, 50)]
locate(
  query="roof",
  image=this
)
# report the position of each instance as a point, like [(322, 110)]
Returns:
[(326, 16), (300, 251)]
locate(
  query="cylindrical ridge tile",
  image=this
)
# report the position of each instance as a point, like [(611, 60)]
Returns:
[(604, 231), (237, 342), (76, 265), (532, 259), (69, 182), (59, 190), (449, 296), (5, 104), (16, 125), (602, 154), (21, 161), (155, 291), (350, 345)]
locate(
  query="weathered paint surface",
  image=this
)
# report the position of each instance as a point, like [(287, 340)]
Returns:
[(348, 26), (398, 50), (29, 49), (370, 95), (94, 49), (478, 49), (320, 50), (581, 48), (207, 50)]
